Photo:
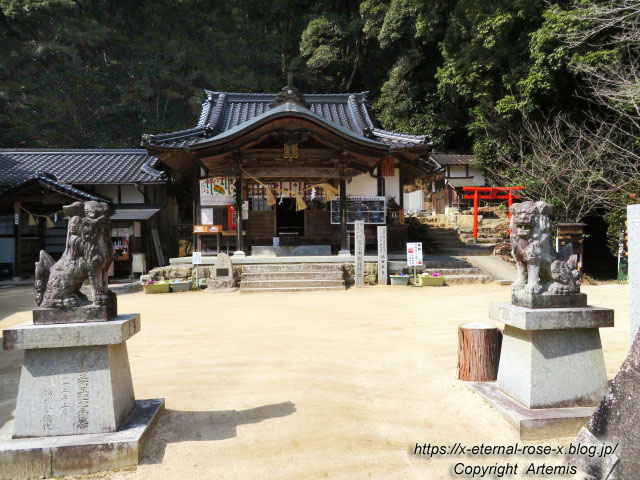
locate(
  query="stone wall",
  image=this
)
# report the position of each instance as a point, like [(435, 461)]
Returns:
[(370, 273), (177, 272)]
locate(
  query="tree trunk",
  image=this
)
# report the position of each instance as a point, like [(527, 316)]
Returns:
[(479, 347)]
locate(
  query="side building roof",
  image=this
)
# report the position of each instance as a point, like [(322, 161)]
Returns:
[(79, 166)]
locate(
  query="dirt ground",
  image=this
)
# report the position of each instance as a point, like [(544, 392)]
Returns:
[(309, 385)]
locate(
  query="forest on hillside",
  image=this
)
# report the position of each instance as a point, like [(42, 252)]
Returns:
[(544, 93)]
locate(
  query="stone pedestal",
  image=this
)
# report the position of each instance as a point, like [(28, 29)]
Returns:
[(75, 387), (551, 367)]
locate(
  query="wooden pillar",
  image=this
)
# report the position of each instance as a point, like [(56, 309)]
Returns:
[(380, 182), (401, 188), (239, 239), (16, 236), (344, 241), (196, 202)]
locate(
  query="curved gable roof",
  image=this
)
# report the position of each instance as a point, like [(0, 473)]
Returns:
[(223, 112)]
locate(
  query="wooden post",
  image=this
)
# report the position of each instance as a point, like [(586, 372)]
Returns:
[(479, 347), (239, 242), (380, 179), (344, 241), (509, 203), (475, 217), (16, 238)]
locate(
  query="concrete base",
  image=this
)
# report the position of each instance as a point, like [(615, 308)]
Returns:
[(239, 254), (552, 368), (344, 253), (71, 391), (536, 423), (81, 454), (292, 251)]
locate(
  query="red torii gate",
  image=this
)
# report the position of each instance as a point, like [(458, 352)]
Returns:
[(492, 193)]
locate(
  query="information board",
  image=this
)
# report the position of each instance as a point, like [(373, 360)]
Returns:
[(217, 191), (414, 254), (197, 258), (369, 209)]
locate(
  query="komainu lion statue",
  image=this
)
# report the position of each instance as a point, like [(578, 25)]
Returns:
[(540, 268), (88, 255)]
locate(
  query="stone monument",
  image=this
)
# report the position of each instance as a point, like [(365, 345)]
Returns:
[(551, 373), (614, 429), (76, 411), (359, 252), (383, 274), (222, 275)]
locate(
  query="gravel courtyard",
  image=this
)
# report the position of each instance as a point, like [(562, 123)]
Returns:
[(307, 385)]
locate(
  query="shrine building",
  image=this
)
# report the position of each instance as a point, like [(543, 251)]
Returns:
[(302, 168)]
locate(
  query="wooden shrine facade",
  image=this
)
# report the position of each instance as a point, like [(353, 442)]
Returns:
[(293, 165)]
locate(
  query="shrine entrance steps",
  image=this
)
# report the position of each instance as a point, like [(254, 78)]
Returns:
[(289, 277), (455, 270)]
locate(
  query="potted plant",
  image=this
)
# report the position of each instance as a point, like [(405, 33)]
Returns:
[(153, 286), (431, 279), (401, 279), (181, 285)]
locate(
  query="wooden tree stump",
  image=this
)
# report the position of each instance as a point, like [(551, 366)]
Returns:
[(479, 347)]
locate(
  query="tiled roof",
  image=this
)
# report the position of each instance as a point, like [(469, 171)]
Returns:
[(46, 181), (451, 158), (223, 111), (72, 166)]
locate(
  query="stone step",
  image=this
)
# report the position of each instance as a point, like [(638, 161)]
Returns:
[(314, 275), (287, 283), (289, 289), (292, 267), (467, 279), (455, 271)]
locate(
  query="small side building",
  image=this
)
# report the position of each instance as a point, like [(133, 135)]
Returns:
[(459, 172), (36, 183)]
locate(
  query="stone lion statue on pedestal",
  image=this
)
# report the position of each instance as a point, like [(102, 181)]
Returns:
[(540, 268), (88, 255)]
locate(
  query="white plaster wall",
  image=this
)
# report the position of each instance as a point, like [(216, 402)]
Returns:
[(461, 171), (363, 184), (130, 194), (110, 191), (392, 185)]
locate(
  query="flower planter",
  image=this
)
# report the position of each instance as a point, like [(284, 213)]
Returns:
[(181, 286), (156, 287), (399, 280), (431, 281)]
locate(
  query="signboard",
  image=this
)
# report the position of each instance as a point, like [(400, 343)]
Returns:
[(369, 209), (217, 191), (359, 252), (388, 167), (207, 228), (206, 216), (196, 258), (414, 254)]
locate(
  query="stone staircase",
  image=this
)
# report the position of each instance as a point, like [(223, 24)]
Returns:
[(290, 277), (452, 241)]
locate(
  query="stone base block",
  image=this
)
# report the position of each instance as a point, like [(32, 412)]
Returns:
[(551, 318), (82, 314), (552, 368), (73, 390), (533, 424), (529, 300), (81, 454), (28, 336), (218, 283)]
